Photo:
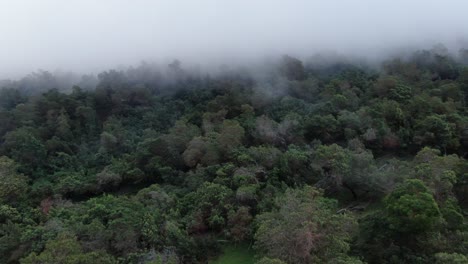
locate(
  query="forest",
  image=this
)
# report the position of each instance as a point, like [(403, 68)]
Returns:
[(319, 160)]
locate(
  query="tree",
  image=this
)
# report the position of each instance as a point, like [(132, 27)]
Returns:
[(239, 223), (411, 208), (292, 68), (10, 98), (13, 185), (213, 121), (26, 148), (171, 146), (108, 177), (401, 93), (294, 165), (203, 150), (65, 249), (322, 127), (265, 156), (12, 228), (63, 129), (341, 168), (208, 207), (439, 173), (434, 130), (231, 136), (266, 260), (450, 258), (266, 131), (195, 151), (303, 228)]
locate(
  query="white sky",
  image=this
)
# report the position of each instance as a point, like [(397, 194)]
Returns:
[(89, 35)]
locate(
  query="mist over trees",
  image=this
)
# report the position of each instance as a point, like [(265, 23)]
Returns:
[(319, 160)]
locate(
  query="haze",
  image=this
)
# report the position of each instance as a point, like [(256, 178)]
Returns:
[(88, 36)]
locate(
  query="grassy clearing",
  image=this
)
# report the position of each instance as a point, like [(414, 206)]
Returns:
[(235, 254)]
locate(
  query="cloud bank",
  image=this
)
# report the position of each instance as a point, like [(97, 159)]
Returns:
[(88, 36)]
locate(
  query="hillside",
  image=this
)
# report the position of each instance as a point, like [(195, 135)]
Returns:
[(294, 162)]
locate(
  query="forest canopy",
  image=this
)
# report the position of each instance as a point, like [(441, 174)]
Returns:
[(302, 161)]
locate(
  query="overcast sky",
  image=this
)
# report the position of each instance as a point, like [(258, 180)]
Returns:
[(89, 35)]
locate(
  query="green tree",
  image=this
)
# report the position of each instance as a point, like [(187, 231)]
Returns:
[(266, 260), (323, 127), (26, 148), (303, 228), (208, 207), (63, 129), (411, 208), (13, 185), (342, 169), (67, 250), (10, 98), (435, 131), (450, 258), (292, 68), (231, 136)]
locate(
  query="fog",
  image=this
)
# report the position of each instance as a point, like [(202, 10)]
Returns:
[(89, 36)]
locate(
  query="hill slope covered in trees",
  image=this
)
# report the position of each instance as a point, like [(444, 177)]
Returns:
[(307, 163)]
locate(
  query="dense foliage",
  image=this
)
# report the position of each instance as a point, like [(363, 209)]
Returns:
[(306, 162)]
